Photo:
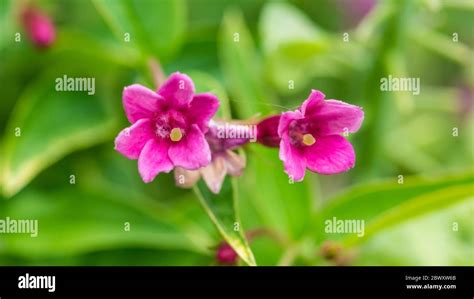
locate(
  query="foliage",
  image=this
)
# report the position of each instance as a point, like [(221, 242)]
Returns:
[(412, 185)]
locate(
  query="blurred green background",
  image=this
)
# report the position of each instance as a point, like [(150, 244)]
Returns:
[(412, 183)]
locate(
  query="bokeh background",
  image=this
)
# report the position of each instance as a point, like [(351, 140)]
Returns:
[(413, 179)]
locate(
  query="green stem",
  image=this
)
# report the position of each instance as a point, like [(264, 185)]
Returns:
[(240, 245), (288, 256), (447, 47)]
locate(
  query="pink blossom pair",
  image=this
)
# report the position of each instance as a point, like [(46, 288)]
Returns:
[(172, 129)]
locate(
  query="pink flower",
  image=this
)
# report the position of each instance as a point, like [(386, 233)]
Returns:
[(310, 136), (39, 26), (224, 161), (168, 126)]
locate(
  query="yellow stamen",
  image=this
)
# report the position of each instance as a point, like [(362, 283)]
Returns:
[(176, 134), (308, 139)]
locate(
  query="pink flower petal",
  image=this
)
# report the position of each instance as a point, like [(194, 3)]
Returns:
[(202, 109), (154, 159), (285, 120), (234, 163), (330, 155), (315, 100), (214, 174), (293, 160), (186, 178), (131, 140), (341, 117), (331, 116), (140, 102), (336, 117), (178, 90), (191, 152)]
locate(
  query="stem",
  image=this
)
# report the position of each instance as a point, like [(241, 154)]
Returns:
[(240, 246), (438, 43), (157, 73), (288, 256)]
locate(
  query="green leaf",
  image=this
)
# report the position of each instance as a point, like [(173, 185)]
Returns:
[(6, 22), (115, 257), (47, 124), (241, 67), (74, 221), (279, 204), (222, 209), (419, 205), (157, 26), (444, 237), (143, 257), (110, 173), (443, 45), (72, 40), (283, 23), (382, 205), (294, 47)]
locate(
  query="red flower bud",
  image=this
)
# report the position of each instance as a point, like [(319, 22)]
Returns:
[(267, 131), (226, 255), (39, 27)]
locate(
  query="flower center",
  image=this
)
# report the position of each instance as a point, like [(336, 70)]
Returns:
[(308, 139), (299, 133), (170, 124), (176, 134)]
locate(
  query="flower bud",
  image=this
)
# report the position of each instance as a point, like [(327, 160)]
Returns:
[(226, 255), (267, 131), (39, 27)]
